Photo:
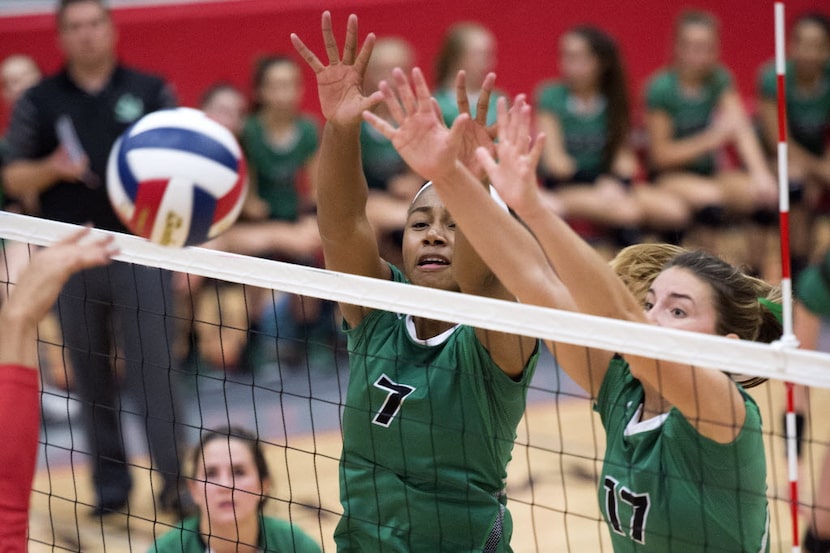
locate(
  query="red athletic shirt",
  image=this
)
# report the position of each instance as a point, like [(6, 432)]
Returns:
[(19, 427)]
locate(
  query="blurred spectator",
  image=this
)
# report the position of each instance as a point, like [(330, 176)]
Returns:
[(213, 314), (693, 113), (808, 116), (392, 184), (468, 47), (18, 73), (588, 164), (280, 145), (225, 104), (230, 482), (121, 305)]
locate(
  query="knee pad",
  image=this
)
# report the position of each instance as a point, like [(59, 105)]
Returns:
[(813, 544), (765, 217), (711, 216)]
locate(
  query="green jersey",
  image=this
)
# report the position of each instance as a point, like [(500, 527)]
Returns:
[(585, 134), (275, 168), (808, 112), (664, 487), (690, 112), (275, 536), (428, 430), (448, 103), (381, 161)]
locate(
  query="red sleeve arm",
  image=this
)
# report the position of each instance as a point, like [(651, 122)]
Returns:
[(19, 427)]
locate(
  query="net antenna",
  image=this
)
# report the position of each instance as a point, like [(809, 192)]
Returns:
[(788, 339)]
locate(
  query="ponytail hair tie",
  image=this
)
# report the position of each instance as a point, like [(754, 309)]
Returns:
[(775, 308)]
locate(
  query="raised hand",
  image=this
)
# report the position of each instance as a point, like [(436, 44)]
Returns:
[(340, 83), (41, 282), (474, 131), (421, 138), (514, 176)]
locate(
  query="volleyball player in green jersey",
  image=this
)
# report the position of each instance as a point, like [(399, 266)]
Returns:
[(588, 164), (692, 112), (431, 408), (808, 117), (684, 467)]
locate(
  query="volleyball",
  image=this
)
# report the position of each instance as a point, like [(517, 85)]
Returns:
[(176, 177)]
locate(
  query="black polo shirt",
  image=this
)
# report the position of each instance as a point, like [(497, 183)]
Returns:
[(99, 119)]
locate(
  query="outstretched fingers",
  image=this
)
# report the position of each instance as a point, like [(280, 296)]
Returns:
[(381, 125), (310, 58), (350, 46), (329, 40), (405, 94), (461, 98), (483, 105)]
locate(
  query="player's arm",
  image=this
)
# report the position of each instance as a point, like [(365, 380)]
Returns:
[(510, 352), (555, 159), (38, 288), (432, 150), (24, 175), (667, 152), (746, 140), (349, 243), (798, 156)]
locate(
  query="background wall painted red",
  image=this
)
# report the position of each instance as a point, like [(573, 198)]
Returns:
[(194, 45)]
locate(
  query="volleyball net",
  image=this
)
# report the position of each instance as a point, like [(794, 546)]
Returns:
[(241, 358)]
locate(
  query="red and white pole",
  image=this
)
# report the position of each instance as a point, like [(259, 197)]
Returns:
[(788, 339)]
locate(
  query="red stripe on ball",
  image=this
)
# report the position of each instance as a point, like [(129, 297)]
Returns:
[(147, 202)]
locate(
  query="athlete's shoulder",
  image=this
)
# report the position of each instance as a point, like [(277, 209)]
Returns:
[(281, 535), (661, 88), (551, 95)]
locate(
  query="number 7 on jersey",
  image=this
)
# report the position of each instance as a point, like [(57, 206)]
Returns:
[(396, 393)]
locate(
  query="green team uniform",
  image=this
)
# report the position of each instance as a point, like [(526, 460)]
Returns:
[(427, 434), (585, 135), (275, 168), (689, 114), (665, 488), (808, 114), (275, 536), (381, 161), (448, 102)]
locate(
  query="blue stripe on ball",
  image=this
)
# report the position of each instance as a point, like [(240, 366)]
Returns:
[(184, 140), (204, 206), (128, 181)]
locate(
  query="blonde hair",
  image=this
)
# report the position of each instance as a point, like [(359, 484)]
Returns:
[(638, 265)]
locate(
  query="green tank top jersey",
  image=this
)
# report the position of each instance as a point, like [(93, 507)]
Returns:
[(428, 430), (665, 488), (808, 113), (585, 135), (689, 113), (276, 168), (448, 103), (381, 161)]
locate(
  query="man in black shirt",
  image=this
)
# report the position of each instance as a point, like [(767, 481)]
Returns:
[(121, 306)]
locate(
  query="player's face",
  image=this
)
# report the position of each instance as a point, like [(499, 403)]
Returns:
[(428, 243), (580, 67), (87, 35), (385, 58), (227, 486), (17, 76), (697, 50), (810, 49), (227, 108), (679, 299), (282, 88), (479, 57)]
